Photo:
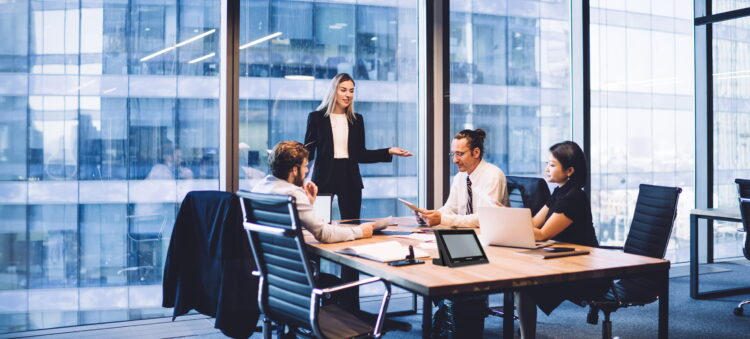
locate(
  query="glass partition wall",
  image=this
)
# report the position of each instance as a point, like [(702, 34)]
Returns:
[(731, 124), (289, 52), (642, 117), (109, 115), (510, 76)]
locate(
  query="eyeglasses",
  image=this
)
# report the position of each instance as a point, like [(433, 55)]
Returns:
[(456, 154)]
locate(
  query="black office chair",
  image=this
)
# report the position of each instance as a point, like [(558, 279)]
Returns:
[(527, 192), (650, 230), (288, 291), (743, 192)]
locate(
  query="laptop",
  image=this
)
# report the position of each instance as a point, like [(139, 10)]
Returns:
[(322, 205), (507, 226)]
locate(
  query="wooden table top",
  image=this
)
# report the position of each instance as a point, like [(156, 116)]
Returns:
[(506, 269)]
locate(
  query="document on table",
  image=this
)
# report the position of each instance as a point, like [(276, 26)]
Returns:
[(425, 237), (383, 251)]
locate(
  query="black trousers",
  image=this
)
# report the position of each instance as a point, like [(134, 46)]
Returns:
[(348, 192)]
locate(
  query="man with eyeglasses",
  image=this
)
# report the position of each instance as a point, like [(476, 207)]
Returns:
[(477, 183), (288, 165)]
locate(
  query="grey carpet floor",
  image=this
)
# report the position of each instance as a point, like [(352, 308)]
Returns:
[(688, 318)]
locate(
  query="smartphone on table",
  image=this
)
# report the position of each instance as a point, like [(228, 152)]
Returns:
[(559, 249), (405, 262)]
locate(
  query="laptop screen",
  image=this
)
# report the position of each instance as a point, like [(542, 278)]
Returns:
[(322, 206)]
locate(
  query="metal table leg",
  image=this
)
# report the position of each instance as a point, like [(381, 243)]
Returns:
[(709, 241), (508, 314), (664, 308), (694, 256), (426, 316)]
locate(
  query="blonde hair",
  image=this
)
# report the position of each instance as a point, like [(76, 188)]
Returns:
[(329, 102)]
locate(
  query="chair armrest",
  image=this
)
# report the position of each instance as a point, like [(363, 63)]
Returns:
[(612, 247), (321, 291), (256, 273), (317, 292)]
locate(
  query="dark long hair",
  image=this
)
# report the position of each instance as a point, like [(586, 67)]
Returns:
[(569, 154), (474, 138)]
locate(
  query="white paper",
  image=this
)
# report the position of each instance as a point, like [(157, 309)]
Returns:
[(411, 206), (383, 251), (428, 237), (427, 245)]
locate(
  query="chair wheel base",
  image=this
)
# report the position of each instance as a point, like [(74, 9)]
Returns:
[(738, 311)]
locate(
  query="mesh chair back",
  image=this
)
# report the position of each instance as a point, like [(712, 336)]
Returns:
[(743, 191), (527, 192), (745, 212), (514, 196), (653, 220), (743, 187), (276, 238)]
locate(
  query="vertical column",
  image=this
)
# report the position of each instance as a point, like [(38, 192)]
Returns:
[(434, 103), (581, 78), (704, 144), (229, 95)]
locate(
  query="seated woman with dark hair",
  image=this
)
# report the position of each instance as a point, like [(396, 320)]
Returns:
[(566, 217)]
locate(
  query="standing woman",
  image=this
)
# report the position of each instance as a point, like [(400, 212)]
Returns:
[(337, 133)]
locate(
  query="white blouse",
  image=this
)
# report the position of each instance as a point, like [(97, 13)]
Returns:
[(340, 128)]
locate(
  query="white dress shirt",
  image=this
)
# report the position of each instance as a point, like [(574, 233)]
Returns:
[(310, 219), (488, 185), (340, 129)]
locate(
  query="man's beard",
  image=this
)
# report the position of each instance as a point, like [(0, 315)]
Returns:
[(299, 179)]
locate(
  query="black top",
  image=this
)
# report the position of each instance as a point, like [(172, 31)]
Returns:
[(319, 139), (574, 204)]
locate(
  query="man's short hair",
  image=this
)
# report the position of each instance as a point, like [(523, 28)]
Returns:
[(285, 156)]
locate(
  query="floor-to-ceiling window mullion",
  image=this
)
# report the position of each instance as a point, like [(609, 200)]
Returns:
[(581, 78), (703, 108), (229, 96)]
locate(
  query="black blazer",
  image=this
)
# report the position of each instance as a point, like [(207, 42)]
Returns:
[(209, 264), (319, 138)]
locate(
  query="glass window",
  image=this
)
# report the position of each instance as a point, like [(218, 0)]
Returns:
[(642, 123), (719, 6), (510, 74), (14, 47), (110, 118), (286, 68), (731, 67)]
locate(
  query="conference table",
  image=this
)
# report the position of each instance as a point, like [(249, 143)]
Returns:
[(506, 272), (710, 215)]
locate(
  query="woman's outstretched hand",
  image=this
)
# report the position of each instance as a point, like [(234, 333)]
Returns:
[(399, 151)]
